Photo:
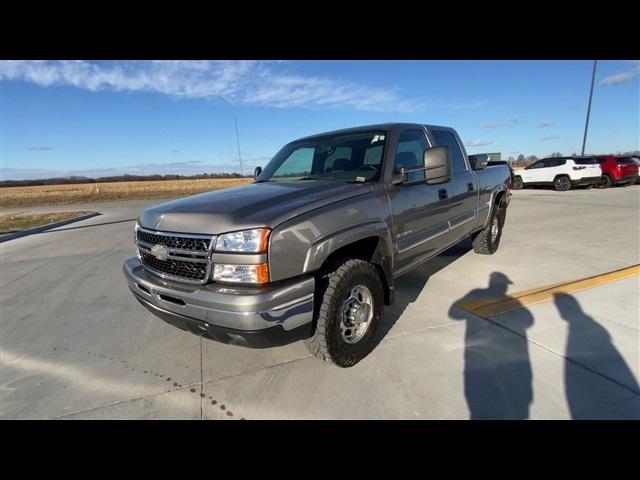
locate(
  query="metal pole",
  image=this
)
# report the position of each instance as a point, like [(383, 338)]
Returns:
[(238, 140), (586, 126)]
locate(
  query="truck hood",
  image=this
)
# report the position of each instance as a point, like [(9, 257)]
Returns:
[(250, 206)]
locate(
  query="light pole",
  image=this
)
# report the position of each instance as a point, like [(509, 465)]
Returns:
[(586, 126)]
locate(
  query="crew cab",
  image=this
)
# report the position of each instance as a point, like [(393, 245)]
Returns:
[(617, 170), (560, 172), (312, 249)]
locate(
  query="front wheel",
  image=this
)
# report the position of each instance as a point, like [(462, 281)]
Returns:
[(605, 181), (562, 184), (351, 299)]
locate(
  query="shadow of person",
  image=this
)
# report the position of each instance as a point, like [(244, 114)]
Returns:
[(497, 370), (589, 345)]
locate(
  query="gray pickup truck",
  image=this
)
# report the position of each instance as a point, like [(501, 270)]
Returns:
[(311, 250)]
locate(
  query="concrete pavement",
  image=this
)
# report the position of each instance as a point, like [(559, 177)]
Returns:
[(75, 344)]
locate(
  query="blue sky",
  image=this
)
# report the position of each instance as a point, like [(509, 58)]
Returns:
[(106, 118)]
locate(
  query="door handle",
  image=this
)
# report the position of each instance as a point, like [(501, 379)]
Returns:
[(443, 194), (470, 187)]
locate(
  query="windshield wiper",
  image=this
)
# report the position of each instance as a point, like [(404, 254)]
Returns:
[(315, 178)]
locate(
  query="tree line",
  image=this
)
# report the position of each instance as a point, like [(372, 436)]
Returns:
[(115, 178)]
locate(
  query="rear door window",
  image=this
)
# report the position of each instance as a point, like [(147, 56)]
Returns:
[(585, 161)]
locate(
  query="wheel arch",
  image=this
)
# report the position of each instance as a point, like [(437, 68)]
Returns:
[(367, 242)]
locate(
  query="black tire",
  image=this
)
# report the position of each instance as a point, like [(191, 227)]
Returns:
[(483, 242), (518, 184), (332, 288), (562, 183), (605, 181)]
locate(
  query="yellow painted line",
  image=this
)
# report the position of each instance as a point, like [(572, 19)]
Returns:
[(497, 306)]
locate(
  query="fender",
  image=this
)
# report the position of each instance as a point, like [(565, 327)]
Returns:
[(328, 244), (492, 202)]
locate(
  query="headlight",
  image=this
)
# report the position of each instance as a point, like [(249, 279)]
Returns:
[(241, 273), (248, 241), (135, 234)]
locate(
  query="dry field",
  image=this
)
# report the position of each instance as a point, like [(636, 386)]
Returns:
[(19, 222), (13, 197)]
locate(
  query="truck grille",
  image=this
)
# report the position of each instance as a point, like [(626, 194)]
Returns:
[(176, 256)]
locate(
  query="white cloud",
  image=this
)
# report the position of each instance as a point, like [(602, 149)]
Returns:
[(622, 77), (239, 82), (477, 143), (513, 121)]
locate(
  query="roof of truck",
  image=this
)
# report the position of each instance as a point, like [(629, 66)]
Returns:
[(365, 128)]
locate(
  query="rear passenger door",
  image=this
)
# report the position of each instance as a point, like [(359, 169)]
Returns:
[(461, 189)]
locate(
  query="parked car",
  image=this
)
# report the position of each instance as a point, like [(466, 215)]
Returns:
[(617, 170), (560, 172), (313, 247)]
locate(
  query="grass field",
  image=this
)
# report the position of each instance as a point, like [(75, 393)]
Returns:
[(13, 197), (17, 223)]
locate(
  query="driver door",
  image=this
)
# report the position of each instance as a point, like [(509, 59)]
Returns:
[(420, 211)]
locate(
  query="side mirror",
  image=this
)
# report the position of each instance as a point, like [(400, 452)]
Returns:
[(257, 172), (437, 167), (479, 161)]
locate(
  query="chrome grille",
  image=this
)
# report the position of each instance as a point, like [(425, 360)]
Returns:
[(188, 256)]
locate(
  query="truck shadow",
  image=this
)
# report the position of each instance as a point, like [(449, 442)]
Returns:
[(409, 286)]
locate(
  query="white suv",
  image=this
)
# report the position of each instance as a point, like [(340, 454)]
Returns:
[(561, 172)]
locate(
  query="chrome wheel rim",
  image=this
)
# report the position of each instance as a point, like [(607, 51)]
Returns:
[(494, 230), (356, 313)]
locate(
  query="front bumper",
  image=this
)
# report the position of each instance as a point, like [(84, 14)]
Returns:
[(255, 317)]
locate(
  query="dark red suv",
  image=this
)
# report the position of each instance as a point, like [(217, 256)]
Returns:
[(617, 170)]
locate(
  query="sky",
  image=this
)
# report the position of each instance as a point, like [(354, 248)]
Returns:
[(102, 118)]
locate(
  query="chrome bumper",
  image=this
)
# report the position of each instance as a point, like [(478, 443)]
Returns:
[(287, 305)]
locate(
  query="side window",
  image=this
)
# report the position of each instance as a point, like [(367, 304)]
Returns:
[(556, 162), (538, 164), (410, 153), (446, 139)]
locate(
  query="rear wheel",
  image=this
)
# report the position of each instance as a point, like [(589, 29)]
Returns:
[(562, 184), (487, 240), (350, 299), (518, 184)]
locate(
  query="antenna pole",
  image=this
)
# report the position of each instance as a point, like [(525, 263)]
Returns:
[(586, 126), (238, 140)]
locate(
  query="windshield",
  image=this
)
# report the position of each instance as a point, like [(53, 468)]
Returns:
[(349, 158)]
